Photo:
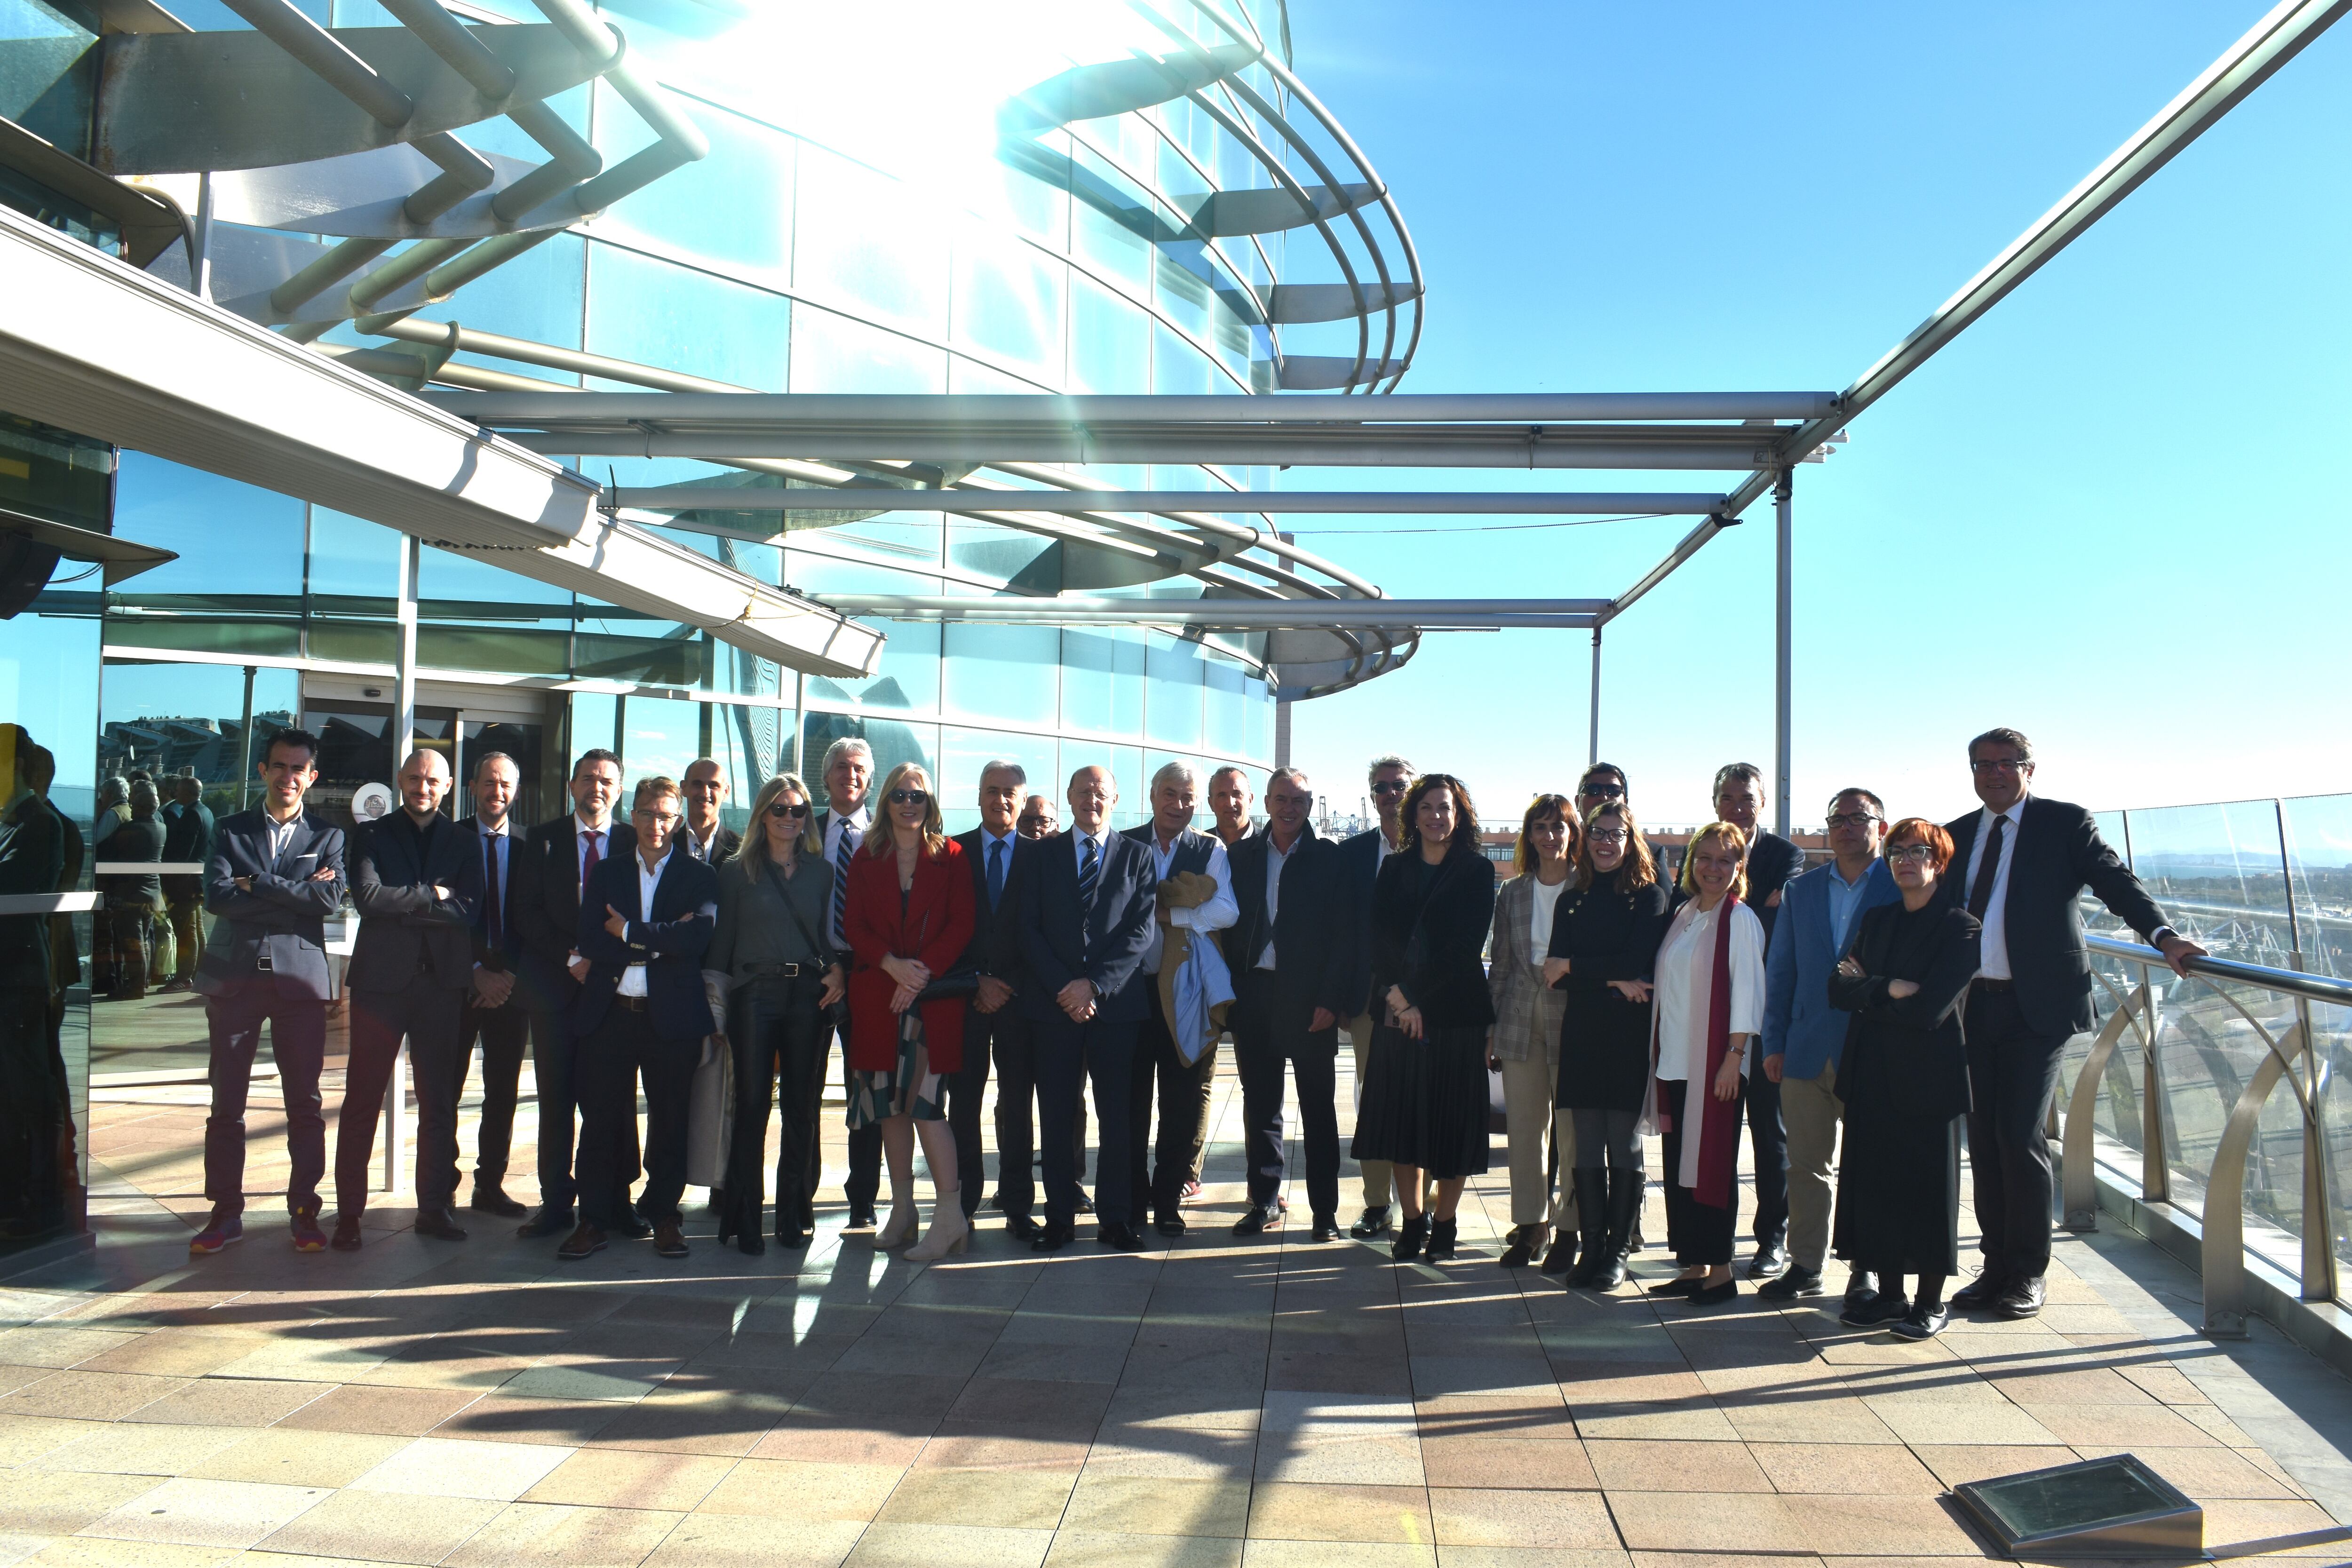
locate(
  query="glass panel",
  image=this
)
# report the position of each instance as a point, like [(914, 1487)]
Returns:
[(1177, 367), (658, 735), (1257, 721), (963, 754), (753, 745), (190, 719), (732, 210), (525, 743), (54, 474), (1110, 341), (355, 748), (522, 647), (2219, 874), (49, 73), (536, 296), (1004, 673), (834, 353), (596, 723), (1180, 295), (233, 539), (908, 677), (991, 550), (1133, 807), (1008, 299), (1102, 681), (892, 741), (871, 243), (1172, 710), (1228, 694), (354, 566), (614, 644), (659, 313), (2319, 847)]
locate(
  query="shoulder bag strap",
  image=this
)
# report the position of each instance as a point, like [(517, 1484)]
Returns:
[(783, 891)]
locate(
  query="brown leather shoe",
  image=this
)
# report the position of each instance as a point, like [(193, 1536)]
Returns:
[(669, 1241), (581, 1242)]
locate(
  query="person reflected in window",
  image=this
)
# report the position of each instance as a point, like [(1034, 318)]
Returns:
[(1525, 1044)]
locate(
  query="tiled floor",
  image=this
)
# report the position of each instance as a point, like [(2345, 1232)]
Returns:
[(1210, 1403)]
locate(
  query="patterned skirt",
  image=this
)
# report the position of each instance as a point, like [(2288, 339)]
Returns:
[(909, 1088)]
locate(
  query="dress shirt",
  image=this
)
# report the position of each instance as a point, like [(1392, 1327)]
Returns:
[(1275, 859), (1685, 984), (1844, 898), (502, 844), (281, 833), (1993, 955), (633, 978), (580, 832), (1540, 908), (836, 824), (701, 846), (1216, 913), (988, 843)]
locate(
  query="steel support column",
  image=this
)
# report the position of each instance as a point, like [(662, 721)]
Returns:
[(1592, 752), (1785, 521), (404, 701)]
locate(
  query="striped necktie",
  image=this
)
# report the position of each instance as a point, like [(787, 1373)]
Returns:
[(1089, 878), (841, 854)]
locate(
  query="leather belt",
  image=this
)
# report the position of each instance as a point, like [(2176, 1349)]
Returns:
[(634, 1003), (1986, 982), (782, 971)]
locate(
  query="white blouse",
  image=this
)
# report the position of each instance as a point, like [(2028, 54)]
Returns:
[(1540, 909), (1685, 976)]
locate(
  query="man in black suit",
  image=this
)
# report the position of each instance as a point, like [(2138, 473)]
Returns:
[(188, 841), (645, 922), (998, 855), (1740, 798), (840, 828), (1297, 967), (703, 836), (417, 884), (557, 859), (1087, 915), (2021, 865), (276, 873), (36, 1101), (494, 1015), (1184, 1088), (1388, 779)]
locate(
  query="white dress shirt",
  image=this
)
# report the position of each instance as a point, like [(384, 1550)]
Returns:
[(281, 833), (633, 978), (1686, 986), (1275, 859), (1993, 955), (1216, 913)]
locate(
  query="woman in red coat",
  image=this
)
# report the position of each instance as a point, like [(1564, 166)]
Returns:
[(907, 918)]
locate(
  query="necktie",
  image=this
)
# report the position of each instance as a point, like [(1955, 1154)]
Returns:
[(588, 861), (1089, 878), (841, 854), (491, 901), (1981, 890), (995, 872)]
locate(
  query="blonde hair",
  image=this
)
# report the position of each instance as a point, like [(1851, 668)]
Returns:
[(1715, 832), (757, 839), (1636, 869), (878, 840)]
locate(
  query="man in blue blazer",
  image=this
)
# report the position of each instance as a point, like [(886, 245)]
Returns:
[(275, 875), (1804, 1037), (1087, 913), (645, 920)]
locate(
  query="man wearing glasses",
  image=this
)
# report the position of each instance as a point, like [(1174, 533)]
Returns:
[(1388, 779), (2022, 863), (1804, 1037)]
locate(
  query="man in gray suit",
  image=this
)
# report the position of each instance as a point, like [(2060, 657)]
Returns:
[(275, 873)]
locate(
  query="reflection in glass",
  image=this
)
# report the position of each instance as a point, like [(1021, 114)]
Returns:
[(893, 743), (1110, 341), (1008, 299), (964, 752), (192, 718), (731, 211), (834, 353), (867, 240), (1102, 681), (1002, 673), (1171, 707), (655, 313)]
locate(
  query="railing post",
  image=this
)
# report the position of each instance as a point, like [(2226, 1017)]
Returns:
[(2154, 1171), (2076, 1158), (2223, 1249)]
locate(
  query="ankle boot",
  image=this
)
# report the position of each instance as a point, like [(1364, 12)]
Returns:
[(1441, 1241), (1593, 1225), (1409, 1238), (1624, 1202), (948, 1231)]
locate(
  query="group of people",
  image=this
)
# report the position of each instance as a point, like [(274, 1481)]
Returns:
[(1923, 978), (142, 820)]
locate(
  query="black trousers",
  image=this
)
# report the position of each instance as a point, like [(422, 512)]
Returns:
[(1767, 1136), (1696, 1233), (1184, 1088), (500, 1031), (966, 1089), (1260, 1050), (185, 897), (2013, 1069), (610, 1060), (554, 1054), (864, 1178), (426, 1015), (1013, 1044), (36, 1117), (131, 930), (297, 1043), (1067, 1055), (779, 1038)]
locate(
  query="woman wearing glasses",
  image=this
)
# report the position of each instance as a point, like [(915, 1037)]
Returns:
[(1604, 940), (1525, 1045), (909, 917), (774, 979), (1905, 1079), (1424, 1108)]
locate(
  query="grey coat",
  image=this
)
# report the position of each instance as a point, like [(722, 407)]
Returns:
[(1525, 1008)]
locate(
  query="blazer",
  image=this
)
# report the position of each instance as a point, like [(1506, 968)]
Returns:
[(934, 927), (1318, 960), (669, 939), (1432, 952), (407, 936), (2059, 853), (1800, 1024), (547, 907), (1773, 860), (1528, 1013), (187, 835), (723, 844), (1921, 1062), (32, 860), (994, 950), (1106, 944), (283, 916), (1360, 855)]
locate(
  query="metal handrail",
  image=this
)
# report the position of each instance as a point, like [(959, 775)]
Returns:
[(2310, 987)]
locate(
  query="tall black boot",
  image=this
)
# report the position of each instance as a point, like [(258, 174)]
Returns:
[(1625, 1207), (1593, 1224)]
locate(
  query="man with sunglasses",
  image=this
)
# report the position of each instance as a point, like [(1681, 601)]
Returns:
[(1804, 1037), (1361, 856), (2020, 863)]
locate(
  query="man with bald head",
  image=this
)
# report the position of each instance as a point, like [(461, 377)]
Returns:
[(417, 880)]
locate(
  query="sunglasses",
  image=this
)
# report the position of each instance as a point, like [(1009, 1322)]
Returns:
[(1601, 791), (1390, 786), (909, 796), (779, 809)]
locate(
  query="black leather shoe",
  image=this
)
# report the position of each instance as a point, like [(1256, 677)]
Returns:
[(860, 1219), (1880, 1308), (1798, 1281), (1021, 1227), (1170, 1223), (439, 1224), (1689, 1287), (1440, 1246), (1770, 1259), (1411, 1238), (546, 1221), (1052, 1237), (994, 1200), (1086, 1203), (1326, 1228), (2024, 1299), (1376, 1222), (1923, 1323), (1120, 1238), (1559, 1256), (490, 1197), (583, 1242), (1860, 1286), (750, 1244), (1981, 1292), (1715, 1294), (1524, 1240), (792, 1238), (1260, 1216), (634, 1226), (347, 1232)]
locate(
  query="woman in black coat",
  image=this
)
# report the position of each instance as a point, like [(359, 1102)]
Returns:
[(1905, 1080), (1604, 940), (1424, 1106)]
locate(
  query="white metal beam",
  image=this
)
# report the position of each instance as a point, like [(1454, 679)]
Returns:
[(1430, 503)]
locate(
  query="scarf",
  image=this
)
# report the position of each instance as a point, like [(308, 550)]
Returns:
[(1710, 1159)]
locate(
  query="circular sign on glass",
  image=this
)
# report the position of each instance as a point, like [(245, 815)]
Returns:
[(372, 803)]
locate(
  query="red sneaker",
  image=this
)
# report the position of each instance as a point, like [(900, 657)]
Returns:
[(308, 1236), (223, 1230)]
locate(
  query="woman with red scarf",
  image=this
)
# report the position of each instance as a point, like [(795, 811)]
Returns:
[(1710, 1009)]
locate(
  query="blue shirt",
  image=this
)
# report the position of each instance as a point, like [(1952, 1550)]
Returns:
[(1845, 902)]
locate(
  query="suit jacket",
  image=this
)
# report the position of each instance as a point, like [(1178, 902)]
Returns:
[(506, 955), (1192, 852), (994, 950), (282, 915), (2059, 853), (1105, 944), (1800, 1023), (407, 935), (934, 926), (32, 860), (1528, 1013), (723, 844), (187, 837), (669, 939), (1773, 860), (547, 907), (1362, 857), (1317, 962)]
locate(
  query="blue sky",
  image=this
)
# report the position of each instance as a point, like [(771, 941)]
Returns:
[(2111, 514)]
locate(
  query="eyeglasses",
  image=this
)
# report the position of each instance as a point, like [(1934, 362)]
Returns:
[(1916, 854), (1390, 786), (1601, 791), (1854, 818), (2000, 764), (779, 809), (650, 815), (1605, 835), (1033, 821), (909, 797)]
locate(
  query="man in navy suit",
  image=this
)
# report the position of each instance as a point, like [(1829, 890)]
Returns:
[(645, 922), (1087, 915), (1388, 779), (494, 1015), (1804, 1037), (993, 1025), (841, 828), (275, 873)]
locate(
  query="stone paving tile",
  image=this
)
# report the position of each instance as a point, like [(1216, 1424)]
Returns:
[(986, 1499), (1652, 1465), (1155, 1507), (1284, 1511), (1335, 1554), (147, 1450), (207, 1512), (229, 1402), (87, 1395), (59, 1502), (1858, 1469), (287, 1457), (723, 1540), (929, 1545), (401, 1412), (571, 1536), (57, 1347), (1111, 1549), (1457, 1460), (1706, 1521), (25, 1438), (611, 1478), (1540, 1520), (785, 1489), (463, 1468), (388, 1525)]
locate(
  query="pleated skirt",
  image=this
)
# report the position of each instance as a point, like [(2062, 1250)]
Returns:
[(1425, 1101)]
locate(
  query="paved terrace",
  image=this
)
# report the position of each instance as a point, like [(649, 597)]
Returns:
[(1270, 1403)]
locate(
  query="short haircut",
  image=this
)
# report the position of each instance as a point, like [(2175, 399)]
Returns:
[(1931, 834), (1589, 775), (1466, 816), (424, 752), (1715, 832), (1289, 776), (654, 788), (1373, 771), (1739, 773), (2003, 736), (486, 758), (847, 746), (713, 764), (595, 754), (1004, 765), (303, 739), (142, 793), (1877, 805), (1170, 772), (1544, 808), (1235, 769), (1637, 869)]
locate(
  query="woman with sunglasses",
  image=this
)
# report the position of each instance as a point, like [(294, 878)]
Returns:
[(1604, 944), (1905, 1079), (909, 916), (775, 979), (1425, 1105), (1525, 1045)]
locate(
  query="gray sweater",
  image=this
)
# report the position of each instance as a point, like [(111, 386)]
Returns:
[(755, 927)]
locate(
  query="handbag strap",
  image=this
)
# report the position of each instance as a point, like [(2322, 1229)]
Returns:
[(783, 891)]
